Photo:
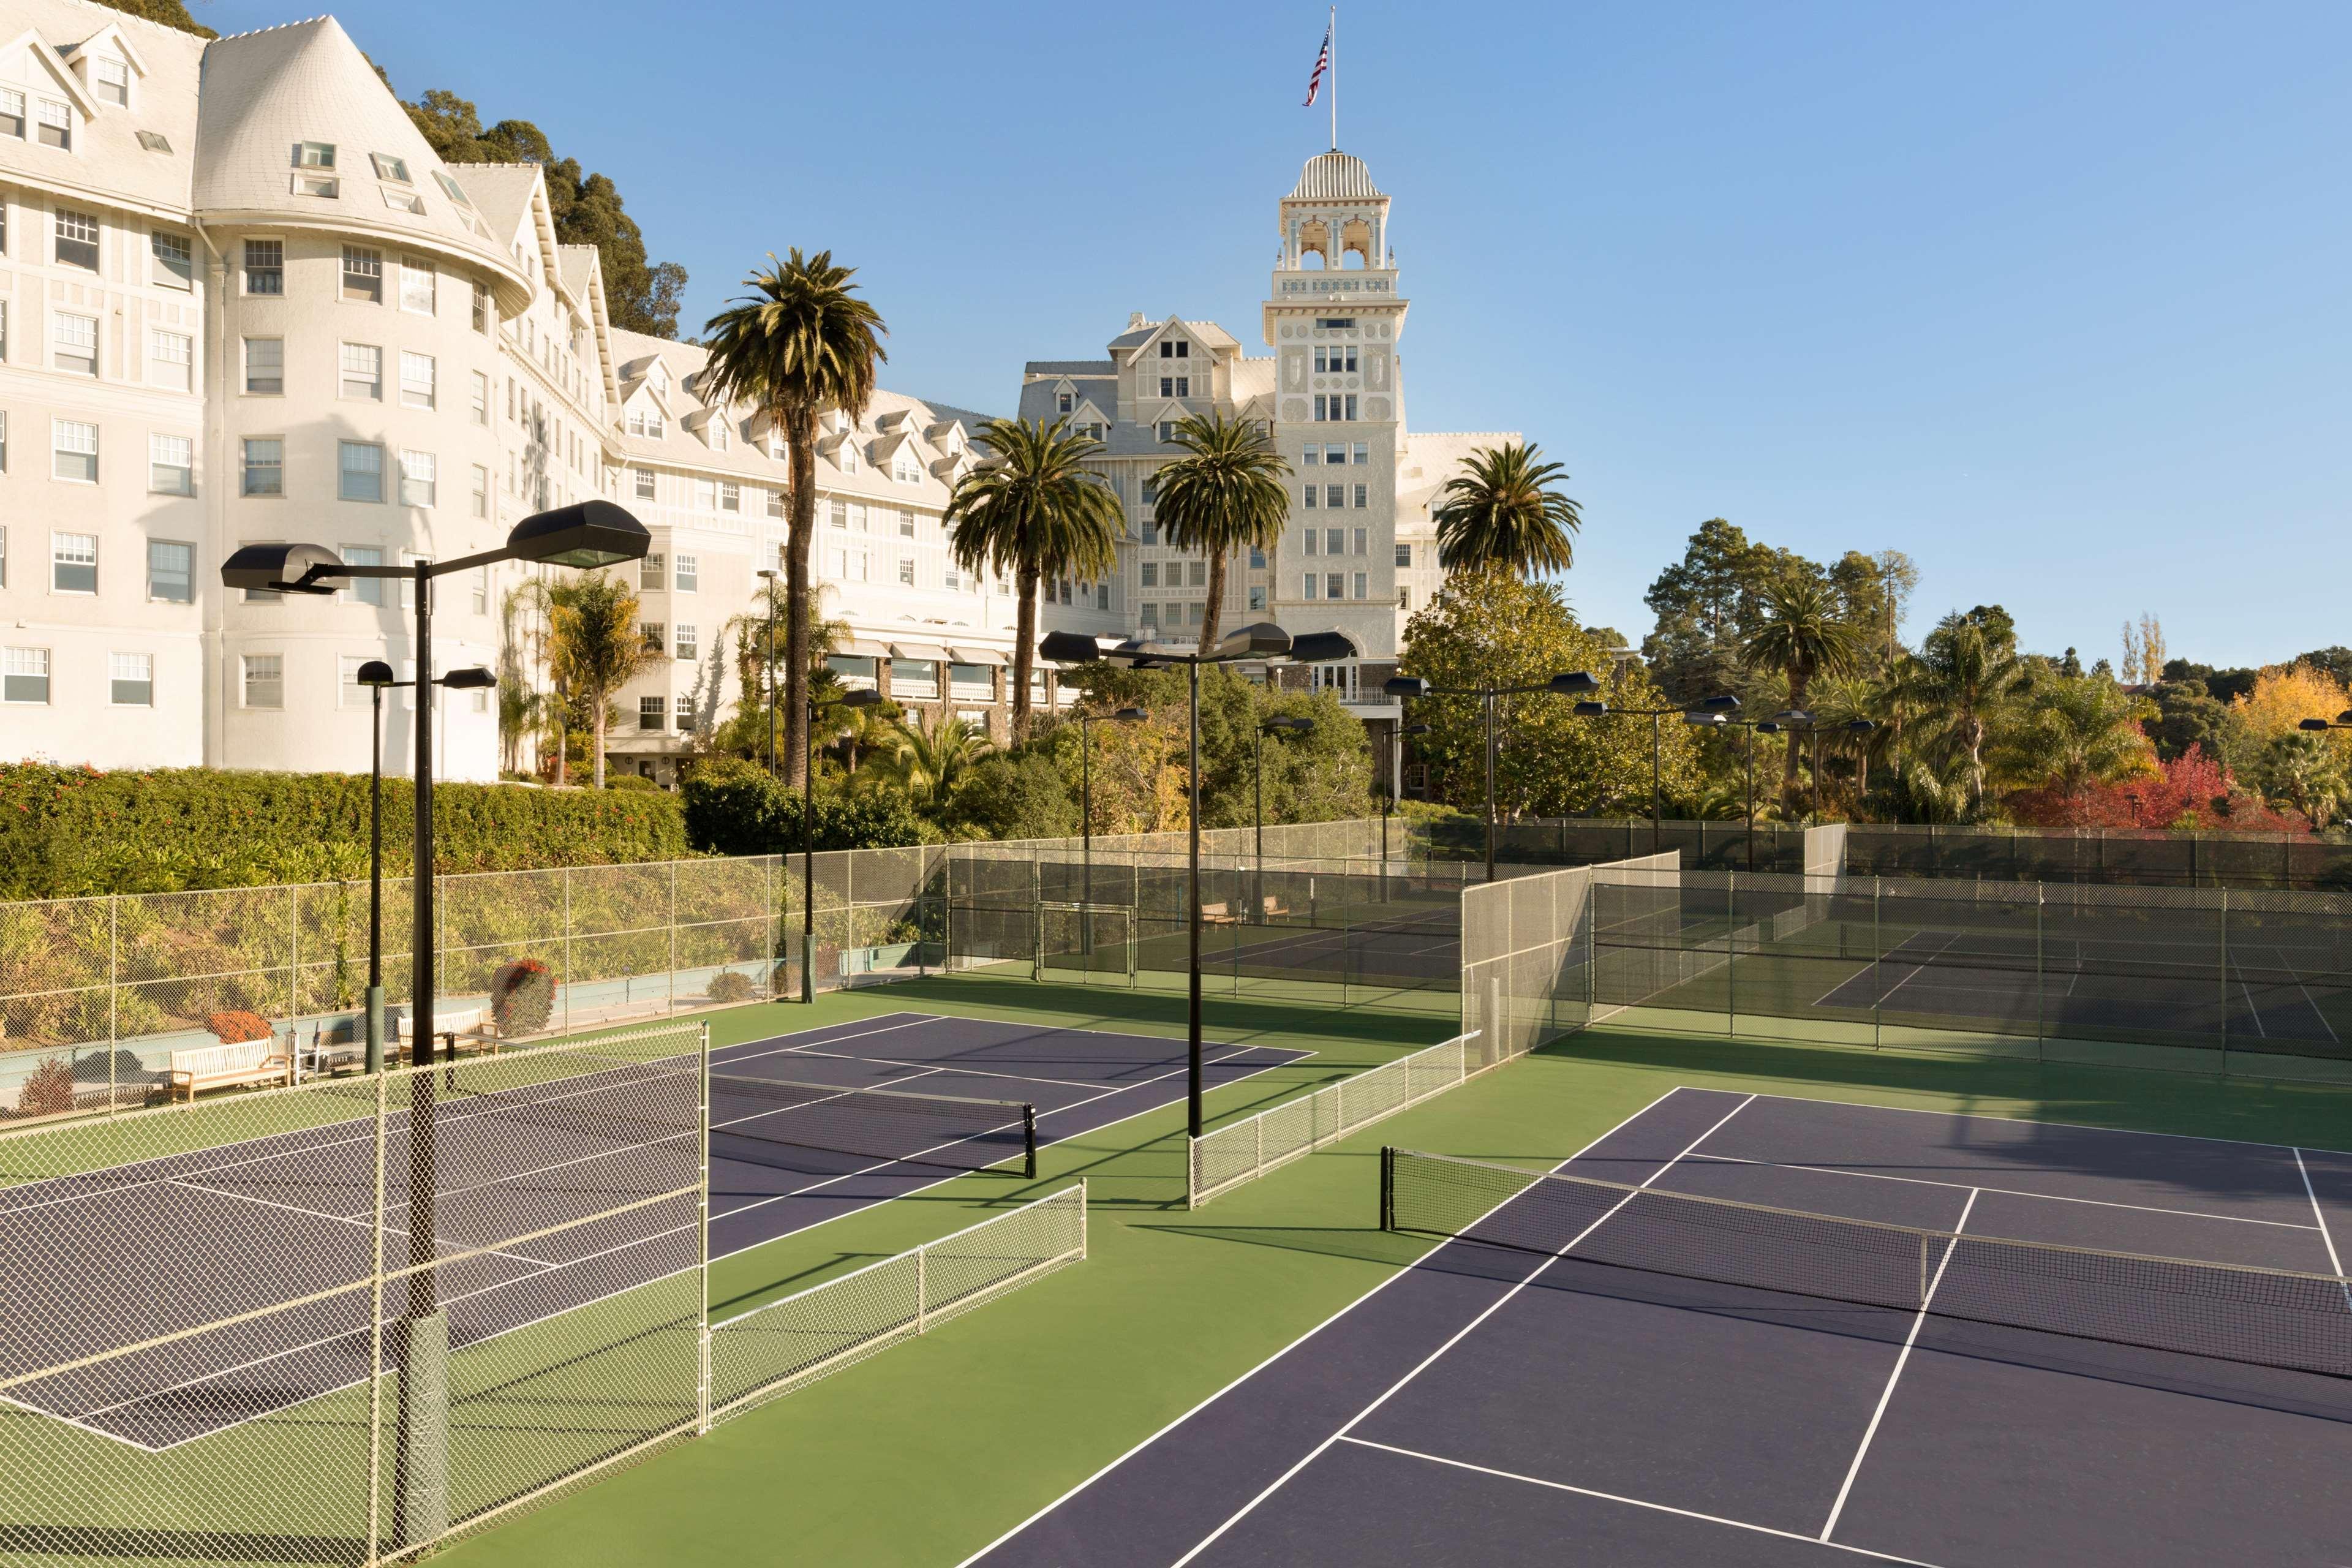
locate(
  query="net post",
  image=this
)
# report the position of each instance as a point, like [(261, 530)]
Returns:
[(1082, 1216), (703, 1236), (922, 1288), (1029, 1142), (1923, 1270), (1388, 1186)]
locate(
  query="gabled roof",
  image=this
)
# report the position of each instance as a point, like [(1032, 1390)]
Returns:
[(111, 33), (53, 60), (583, 278)]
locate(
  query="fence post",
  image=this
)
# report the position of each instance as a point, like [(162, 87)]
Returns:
[(768, 909), (375, 1331), (1877, 965), (673, 939), (2225, 974), (1730, 953), (1493, 1022), (567, 948), (113, 996), (702, 1240), (2040, 898), (293, 987)]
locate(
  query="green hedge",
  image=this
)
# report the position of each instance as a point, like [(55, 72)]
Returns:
[(65, 831), (734, 808)]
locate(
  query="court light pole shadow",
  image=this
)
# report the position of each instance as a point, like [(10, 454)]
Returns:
[(1262, 643), (588, 534)]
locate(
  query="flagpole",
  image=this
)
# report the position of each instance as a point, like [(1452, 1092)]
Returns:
[(1335, 78)]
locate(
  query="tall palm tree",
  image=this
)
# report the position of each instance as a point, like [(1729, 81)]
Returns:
[(2076, 733), (597, 647), (927, 767), (1963, 682), (1804, 634), (1031, 511), (1226, 493), (1503, 512), (799, 344)]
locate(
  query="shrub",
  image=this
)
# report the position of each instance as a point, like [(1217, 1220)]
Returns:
[(522, 996), (237, 1028), (729, 987), (49, 1091), (631, 781), (734, 808)]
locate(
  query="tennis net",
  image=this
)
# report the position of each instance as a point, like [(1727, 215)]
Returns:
[(895, 1125), (2263, 1317)]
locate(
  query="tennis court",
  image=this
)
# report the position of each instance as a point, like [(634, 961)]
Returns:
[(230, 1269), (1741, 1329)]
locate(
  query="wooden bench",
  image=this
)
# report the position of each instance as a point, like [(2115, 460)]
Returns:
[(460, 1029), (238, 1066), (1218, 914)]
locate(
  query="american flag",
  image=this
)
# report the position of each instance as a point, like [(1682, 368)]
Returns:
[(1322, 64)]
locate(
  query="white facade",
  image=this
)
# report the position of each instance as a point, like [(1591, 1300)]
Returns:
[(1361, 553), (264, 311)]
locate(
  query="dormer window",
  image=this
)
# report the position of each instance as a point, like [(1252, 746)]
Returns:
[(848, 457), (905, 470), (718, 435), (658, 378), (113, 82), (1063, 403), (451, 188), (1175, 348), (55, 124), (388, 167), (12, 112), (314, 154)]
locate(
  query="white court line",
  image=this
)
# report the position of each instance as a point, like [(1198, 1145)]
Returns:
[(1458, 1336), (913, 1020), (901, 1159), (2005, 1192), (1888, 1395), (1633, 1503), (973, 1072), (1880, 1001), (2334, 1262), (2036, 1121), (359, 1224), (1293, 1345)]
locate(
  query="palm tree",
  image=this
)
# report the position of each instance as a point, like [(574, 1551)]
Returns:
[(927, 767), (1225, 494), (1804, 634), (799, 344), (1956, 687), (2077, 733), (597, 647), (754, 673), (1504, 514), (1030, 511)]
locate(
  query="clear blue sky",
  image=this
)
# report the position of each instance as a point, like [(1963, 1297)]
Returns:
[(2051, 296)]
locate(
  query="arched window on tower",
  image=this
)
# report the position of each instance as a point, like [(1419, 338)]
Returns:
[(1315, 241)]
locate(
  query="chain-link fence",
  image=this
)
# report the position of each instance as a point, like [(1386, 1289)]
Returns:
[(340, 1321), (2148, 857)]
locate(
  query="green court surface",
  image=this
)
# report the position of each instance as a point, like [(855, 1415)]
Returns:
[(926, 1452)]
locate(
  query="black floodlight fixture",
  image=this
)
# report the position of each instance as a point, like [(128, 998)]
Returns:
[(1070, 648), (1590, 709), (1414, 730), (1129, 716), (589, 533), (376, 672), (474, 678), (1722, 702), (864, 696), (1273, 724), (1405, 686), (1261, 639), (1574, 683), (282, 569), (1321, 647), (1704, 720), (1860, 726), (1793, 716)]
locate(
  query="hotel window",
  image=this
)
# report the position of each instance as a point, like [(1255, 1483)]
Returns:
[(1338, 360), (388, 167), (651, 631), (265, 366), (1257, 598), (3, 311), (1200, 576), (1175, 387), (1333, 540), (1361, 581), (481, 490), (113, 82), (171, 464), (314, 154), (73, 451), (420, 483), (1175, 348), (653, 573), (717, 429), (1310, 494), (56, 124), (1152, 573), (1151, 533), (364, 371), (3, 469), (170, 355), (775, 504), (907, 572), (644, 483), (1332, 586), (1335, 497), (77, 349), (1308, 584), (1257, 559), (731, 496), (171, 571), (264, 466), (1313, 454), (130, 679), (363, 275), (687, 645), (1168, 429), (73, 563), (1062, 403), (174, 263), (418, 380), (265, 266), (1404, 598), (12, 112), (841, 514), (265, 680), (1150, 614), (1363, 496), (1313, 541), (481, 579), (364, 590), (1363, 542), (481, 309), (904, 468), (360, 471), (706, 495), (653, 712), (349, 692), (481, 405), (23, 675), (1363, 452), (688, 576)]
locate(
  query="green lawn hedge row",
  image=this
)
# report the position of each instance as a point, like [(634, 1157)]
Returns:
[(69, 831)]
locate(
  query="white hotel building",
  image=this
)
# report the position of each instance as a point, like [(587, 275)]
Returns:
[(242, 301)]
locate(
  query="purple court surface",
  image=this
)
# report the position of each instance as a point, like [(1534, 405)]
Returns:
[(1509, 1405), (187, 1294)]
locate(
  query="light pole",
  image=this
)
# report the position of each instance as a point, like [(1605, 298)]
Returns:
[(864, 697), (768, 578), (1569, 683), (1711, 707), (2341, 722), (1087, 804), (1261, 643), (376, 675), (1396, 788), (590, 533)]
